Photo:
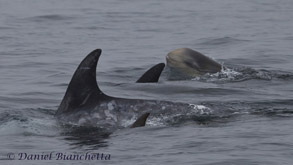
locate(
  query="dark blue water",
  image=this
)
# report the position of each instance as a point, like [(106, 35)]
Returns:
[(245, 114)]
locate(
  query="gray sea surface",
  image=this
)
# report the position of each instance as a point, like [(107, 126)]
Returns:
[(250, 104)]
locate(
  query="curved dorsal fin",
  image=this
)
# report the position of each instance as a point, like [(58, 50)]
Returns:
[(140, 122), (152, 75), (83, 90)]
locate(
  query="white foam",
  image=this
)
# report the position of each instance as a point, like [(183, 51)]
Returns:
[(200, 109), (110, 115), (156, 121), (110, 106), (226, 74)]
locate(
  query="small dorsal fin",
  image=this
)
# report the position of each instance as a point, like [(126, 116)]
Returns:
[(140, 122), (83, 90), (152, 75)]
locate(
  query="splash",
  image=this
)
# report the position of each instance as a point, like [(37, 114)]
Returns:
[(225, 75), (241, 74)]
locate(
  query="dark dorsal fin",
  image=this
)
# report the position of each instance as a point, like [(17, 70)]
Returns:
[(83, 91), (140, 122), (152, 75)]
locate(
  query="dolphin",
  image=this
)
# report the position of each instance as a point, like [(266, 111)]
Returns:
[(185, 63), (85, 104)]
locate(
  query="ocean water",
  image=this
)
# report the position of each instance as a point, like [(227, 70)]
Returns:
[(250, 104)]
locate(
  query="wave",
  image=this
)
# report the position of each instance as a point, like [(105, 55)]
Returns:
[(50, 17), (220, 41)]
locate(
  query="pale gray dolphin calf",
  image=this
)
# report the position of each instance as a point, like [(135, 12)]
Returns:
[(186, 63)]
